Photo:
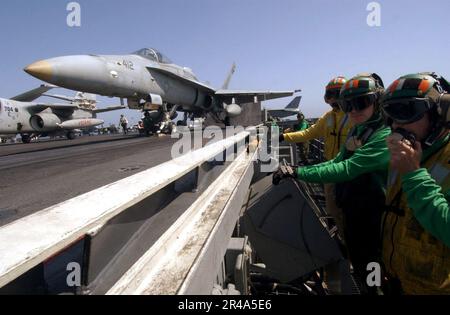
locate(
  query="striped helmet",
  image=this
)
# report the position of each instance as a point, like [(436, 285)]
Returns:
[(409, 97), (362, 84), (336, 83), (408, 86), (333, 89)]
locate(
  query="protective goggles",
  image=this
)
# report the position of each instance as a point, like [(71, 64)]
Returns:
[(357, 103), (406, 111), (330, 94)]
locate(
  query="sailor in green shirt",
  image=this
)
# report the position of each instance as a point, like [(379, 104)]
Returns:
[(302, 123), (416, 226), (359, 171), (302, 147)]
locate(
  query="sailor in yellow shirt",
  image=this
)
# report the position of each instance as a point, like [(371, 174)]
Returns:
[(333, 127), (416, 225)]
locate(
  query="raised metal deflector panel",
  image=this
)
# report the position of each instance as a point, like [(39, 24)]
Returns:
[(287, 233)]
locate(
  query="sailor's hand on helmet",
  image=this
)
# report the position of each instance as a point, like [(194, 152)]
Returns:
[(285, 171)]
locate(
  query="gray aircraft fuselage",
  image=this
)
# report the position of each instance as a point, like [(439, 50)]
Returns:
[(126, 76), (144, 77), (19, 117)]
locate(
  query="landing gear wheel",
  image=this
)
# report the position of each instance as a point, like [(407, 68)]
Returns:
[(172, 128), (71, 136), (26, 139)]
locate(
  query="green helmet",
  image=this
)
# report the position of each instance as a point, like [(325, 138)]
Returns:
[(360, 92), (362, 84), (407, 99), (333, 88), (412, 85)]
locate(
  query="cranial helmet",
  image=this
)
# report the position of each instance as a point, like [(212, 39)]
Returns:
[(411, 96), (360, 92), (333, 90)]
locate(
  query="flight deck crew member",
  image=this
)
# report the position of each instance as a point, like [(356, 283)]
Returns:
[(302, 147), (359, 171), (333, 127), (124, 123), (148, 124), (302, 124), (416, 228)]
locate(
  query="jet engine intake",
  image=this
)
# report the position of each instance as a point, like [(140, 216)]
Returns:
[(208, 102), (44, 122)]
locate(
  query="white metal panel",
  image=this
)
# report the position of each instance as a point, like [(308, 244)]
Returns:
[(31, 240), (184, 251)]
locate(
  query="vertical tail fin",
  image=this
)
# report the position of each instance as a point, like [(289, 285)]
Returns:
[(295, 103), (230, 75)]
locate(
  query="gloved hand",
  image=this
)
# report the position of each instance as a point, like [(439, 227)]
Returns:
[(285, 171), (281, 138)]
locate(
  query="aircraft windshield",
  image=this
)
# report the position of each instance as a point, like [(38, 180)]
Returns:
[(153, 55)]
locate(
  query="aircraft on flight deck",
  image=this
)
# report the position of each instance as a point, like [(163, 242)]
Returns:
[(290, 110), (20, 115), (149, 81)]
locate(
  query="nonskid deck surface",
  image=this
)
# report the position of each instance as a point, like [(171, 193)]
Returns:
[(39, 175)]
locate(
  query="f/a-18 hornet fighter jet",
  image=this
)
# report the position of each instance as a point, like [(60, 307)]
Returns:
[(149, 81)]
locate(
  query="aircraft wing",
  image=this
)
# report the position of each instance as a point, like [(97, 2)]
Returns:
[(250, 96), (60, 97), (36, 108), (192, 82), (281, 113), (33, 94), (108, 109)]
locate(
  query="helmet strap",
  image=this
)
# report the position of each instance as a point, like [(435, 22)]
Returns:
[(335, 105), (434, 135)]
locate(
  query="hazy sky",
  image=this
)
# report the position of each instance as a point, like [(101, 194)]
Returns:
[(277, 44)]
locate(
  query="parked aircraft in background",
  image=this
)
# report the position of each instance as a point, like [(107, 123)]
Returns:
[(20, 115), (293, 108)]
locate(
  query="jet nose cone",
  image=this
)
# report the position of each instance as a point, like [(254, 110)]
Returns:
[(41, 70)]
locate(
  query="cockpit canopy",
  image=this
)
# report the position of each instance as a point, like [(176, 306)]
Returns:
[(153, 55)]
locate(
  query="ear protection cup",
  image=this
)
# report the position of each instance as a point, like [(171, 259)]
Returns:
[(380, 85), (439, 94), (443, 109), (378, 80)]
